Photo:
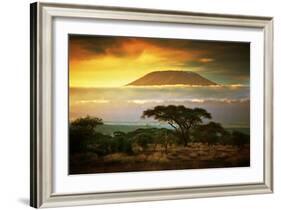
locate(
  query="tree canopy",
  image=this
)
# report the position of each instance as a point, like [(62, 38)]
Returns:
[(181, 118), (209, 133), (87, 122), (82, 132)]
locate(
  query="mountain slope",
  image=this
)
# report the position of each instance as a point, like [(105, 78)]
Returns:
[(171, 78)]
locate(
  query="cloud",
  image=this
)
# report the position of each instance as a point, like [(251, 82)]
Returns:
[(176, 93), (92, 101), (224, 110), (206, 60), (188, 100), (222, 62)]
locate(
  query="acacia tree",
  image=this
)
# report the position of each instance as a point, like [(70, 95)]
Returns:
[(182, 119)]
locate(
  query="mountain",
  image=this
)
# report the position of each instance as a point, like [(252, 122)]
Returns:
[(171, 78)]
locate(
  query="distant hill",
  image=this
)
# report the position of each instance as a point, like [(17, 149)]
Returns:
[(171, 78)]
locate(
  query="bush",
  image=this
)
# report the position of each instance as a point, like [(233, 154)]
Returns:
[(211, 133), (240, 139), (82, 134), (121, 143)]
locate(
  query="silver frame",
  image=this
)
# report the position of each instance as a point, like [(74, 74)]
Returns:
[(41, 180)]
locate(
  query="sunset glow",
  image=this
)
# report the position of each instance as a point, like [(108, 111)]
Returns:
[(148, 104), (102, 69), (100, 61)]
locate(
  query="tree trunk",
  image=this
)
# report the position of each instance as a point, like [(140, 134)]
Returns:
[(185, 141), (182, 133), (185, 137)]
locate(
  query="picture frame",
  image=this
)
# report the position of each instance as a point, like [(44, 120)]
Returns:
[(42, 94)]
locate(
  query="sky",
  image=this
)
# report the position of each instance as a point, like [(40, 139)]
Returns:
[(110, 61), (100, 67)]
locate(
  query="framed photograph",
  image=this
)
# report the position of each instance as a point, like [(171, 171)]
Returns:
[(138, 105)]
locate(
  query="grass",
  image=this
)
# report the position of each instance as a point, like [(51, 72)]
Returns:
[(109, 129), (194, 156)]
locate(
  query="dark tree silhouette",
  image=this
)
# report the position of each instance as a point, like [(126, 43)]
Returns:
[(82, 132), (240, 139), (210, 133), (121, 143), (182, 119), (87, 122)]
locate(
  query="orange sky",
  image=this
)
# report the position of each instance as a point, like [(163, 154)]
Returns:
[(100, 61)]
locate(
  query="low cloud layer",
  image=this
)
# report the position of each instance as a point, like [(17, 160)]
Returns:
[(228, 105)]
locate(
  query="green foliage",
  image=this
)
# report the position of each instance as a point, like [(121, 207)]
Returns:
[(79, 138), (187, 123), (87, 122), (100, 144), (121, 143), (240, 139), (182, 119), (211, 133), (143, 140), (82, 134)]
